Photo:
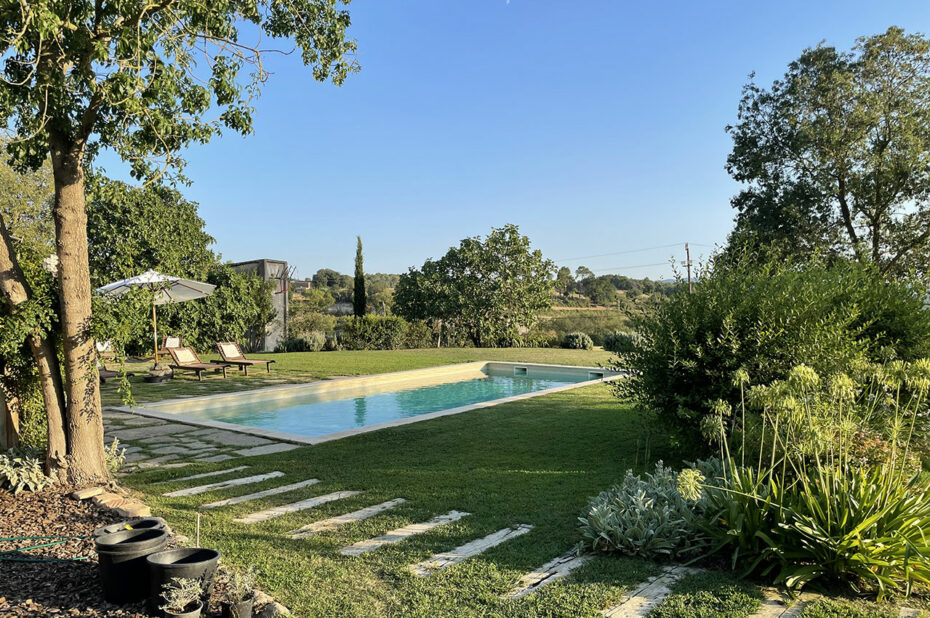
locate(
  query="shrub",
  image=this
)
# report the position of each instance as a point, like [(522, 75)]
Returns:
[(766, 319), (644, 516), (621, 342), (577, 341), (181, 594), (22, 469), (292, 344), (810, 508), (114, 457), (419, 335), (373, 332)]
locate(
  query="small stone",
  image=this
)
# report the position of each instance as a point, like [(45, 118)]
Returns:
[(274, 609), (87, 492), (133, 508), (107, 499), (261, 598)]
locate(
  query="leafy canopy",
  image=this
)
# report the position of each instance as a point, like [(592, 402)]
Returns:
[(836, 154), (140, 78), (491, 288)]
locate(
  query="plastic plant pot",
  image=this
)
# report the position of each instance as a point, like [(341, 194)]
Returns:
[(242, 609), (190, 563), (145, 523), (194, 613), (124, 571)]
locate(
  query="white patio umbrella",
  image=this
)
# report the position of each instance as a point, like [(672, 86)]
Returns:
[(167, 289)]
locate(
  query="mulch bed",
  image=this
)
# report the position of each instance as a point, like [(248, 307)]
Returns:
[(65, 588)]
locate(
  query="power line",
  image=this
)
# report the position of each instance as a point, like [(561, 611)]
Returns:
[(588, 257), (617, 268)]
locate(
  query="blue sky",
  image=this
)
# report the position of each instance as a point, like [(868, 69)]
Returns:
[(596, 126)]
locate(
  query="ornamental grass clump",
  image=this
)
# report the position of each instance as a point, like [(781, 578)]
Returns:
[(799, 497)]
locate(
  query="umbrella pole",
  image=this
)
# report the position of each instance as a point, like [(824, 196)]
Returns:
[(155, 331)]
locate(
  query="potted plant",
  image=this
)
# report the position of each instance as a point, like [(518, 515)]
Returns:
[(239, 595), (182, 598)]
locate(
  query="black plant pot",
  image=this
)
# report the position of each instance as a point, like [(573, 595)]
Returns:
[(145, 523), (242, 609), (157, 379), (194, 613), (191, 563), (123, 568)]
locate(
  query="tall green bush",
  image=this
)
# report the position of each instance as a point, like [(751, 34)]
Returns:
[(766, 319), (373, 332)]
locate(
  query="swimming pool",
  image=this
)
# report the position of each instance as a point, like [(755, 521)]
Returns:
[(320, 411)]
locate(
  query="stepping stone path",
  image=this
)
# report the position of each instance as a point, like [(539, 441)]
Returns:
[(652, 592), (204, 475), (332, 523), (152, 442), (261, 494), (193, 491), (463, 552), (401, 534), (303, 505), (548, 573)]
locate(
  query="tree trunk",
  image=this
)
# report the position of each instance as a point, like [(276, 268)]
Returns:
[(15, 290), (83, 417), (9, 419)]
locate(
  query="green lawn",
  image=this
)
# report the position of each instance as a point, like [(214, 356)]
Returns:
[(307, 366), (534, 462)]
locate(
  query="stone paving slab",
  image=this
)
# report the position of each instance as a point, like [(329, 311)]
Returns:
[(139, 433), (220, 485), (645, 598), (228, 438), (268, 449), (261, 494), (294, 507), (401, 534), (444, 560), (204, 475), (214, 459), (548, 573), (332, 523)]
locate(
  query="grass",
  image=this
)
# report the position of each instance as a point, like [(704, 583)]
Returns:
[(307, 366), (833, 608), (534, 461), (709, 595)]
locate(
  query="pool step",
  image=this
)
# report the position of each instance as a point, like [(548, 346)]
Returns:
[(203, 475), (332, 523), (193, 491), (294, 507), (649, 594), (548, 573), (446, 559), (260, 494), (401, 534)]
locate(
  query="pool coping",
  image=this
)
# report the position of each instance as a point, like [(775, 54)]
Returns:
[(151, 410)]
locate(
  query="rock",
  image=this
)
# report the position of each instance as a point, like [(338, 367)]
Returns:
[(272, 610), (87, 492), (133, 508), (261, 598), (108, 499)]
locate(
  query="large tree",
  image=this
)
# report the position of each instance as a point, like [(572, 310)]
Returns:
[(836, 154), (140, 79), (492, 288)]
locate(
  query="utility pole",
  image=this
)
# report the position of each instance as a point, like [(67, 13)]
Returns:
[(687, 264)]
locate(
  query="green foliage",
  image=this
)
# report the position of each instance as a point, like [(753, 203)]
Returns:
[(620, 342), (809, 507), (644, 516), (836, 154), (833, 608), (373, 332), (359, 298), (21, 469), (181, 594), (596, 323), (766, 319), (131, 230), (488, 288), (239, 586), (114, 457), (577, 341), (314, 341), (709, 595)]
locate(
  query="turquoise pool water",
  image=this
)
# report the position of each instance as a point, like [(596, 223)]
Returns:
[(318, 414)]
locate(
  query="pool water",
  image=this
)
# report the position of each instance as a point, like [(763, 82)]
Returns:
[(319, 414)]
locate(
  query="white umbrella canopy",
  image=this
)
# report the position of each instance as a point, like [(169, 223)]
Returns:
[(167, 289)]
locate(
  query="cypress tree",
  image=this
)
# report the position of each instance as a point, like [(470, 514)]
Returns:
[(359, 300)]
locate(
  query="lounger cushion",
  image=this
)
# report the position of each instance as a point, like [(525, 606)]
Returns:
[(185, 357), (229, 350), (172, 342)]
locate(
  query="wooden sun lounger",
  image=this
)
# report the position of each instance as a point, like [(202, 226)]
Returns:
[(186, 358), (170, 342), (232, 355)]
